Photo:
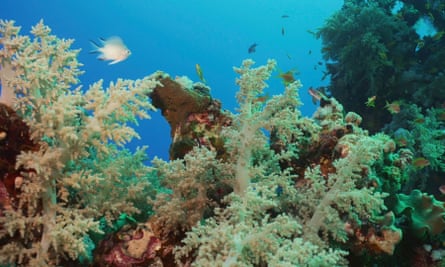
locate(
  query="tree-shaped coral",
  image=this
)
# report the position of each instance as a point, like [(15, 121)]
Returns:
[(73, 179), (307, 219)]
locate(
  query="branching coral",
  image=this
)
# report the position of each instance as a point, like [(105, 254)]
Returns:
[(193, 186), (281, 210), (278, 114), (247, 235), (343, 192), (78, 135)]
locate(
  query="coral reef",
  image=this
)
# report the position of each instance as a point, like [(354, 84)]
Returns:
[(296, 196), (264, 186), (384, 59)]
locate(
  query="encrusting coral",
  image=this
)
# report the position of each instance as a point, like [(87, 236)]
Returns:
[(262, 187)]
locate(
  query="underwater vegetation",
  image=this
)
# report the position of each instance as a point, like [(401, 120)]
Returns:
[(265, 186)]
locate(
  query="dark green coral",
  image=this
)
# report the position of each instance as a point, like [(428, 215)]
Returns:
[(426, 214), (372, 50)]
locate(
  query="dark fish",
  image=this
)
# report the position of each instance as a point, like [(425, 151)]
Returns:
[(325, 74), (284, 16), (282, 31), (252, 48)]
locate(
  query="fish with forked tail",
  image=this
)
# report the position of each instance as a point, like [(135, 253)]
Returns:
[(112, 49)]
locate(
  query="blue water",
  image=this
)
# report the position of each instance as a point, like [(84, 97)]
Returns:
[(175, 35)]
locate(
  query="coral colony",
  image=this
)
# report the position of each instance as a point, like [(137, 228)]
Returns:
[(263, 187)]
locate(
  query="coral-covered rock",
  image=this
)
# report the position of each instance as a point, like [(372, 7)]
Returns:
[(129, 247), (194, 117)]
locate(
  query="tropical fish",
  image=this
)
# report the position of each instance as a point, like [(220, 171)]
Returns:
[(402, 137), (252, 48), (319, 63), (371, 101), (325, 75), (261, 98), (288, 76), (112, 49), (420, 45), (199, 73), (393, 107), (419, 120), (420, 162), (317, 95), (401, 141)]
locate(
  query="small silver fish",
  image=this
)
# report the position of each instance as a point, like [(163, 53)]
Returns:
[(112, 49)]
